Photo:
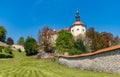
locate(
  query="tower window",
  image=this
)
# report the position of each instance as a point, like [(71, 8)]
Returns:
[(72, 30), (77, 29), (83, 30)]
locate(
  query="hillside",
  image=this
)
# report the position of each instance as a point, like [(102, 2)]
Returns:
[(22, 66), (3, 44)]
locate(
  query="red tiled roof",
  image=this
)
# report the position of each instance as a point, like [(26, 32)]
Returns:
[(94, 53), (66, 29), (57, 31), (77, 23)]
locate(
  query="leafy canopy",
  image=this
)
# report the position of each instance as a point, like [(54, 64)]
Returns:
[(2, 34), (45, 40), (101, 40), (30, 46), (21, 41), (64, 41), (10, 41)]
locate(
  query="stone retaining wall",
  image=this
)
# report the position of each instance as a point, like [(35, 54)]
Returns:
[(102, 62)]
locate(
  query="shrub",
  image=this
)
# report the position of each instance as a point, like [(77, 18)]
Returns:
[(6, 52), (9, 56), (4, 55), (75, 52), (19, 50), (1, 49)]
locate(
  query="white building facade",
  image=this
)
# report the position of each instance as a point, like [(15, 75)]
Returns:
[(78, 28)]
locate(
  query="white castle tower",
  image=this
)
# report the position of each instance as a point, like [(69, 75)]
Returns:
[(78, 28)]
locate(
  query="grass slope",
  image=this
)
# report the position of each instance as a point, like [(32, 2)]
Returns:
[(22, 66)]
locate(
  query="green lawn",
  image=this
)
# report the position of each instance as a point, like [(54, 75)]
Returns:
[(22, 66)]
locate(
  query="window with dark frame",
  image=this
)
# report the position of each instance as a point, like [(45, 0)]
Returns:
[(83, 30), (72, 30)]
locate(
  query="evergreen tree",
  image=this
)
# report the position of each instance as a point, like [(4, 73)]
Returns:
[(10, 41), (79, 45), (21, 41), (2, 34), (30, 46)]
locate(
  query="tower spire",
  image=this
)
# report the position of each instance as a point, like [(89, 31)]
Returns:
[(77, 16)]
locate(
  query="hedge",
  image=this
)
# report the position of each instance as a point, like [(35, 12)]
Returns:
[(3, 55)]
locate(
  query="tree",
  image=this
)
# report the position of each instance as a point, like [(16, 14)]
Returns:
[(91, 33), (79, 45), (101, 40), (21, 41), (10, 41), (2, 34), (45, 40), (107, 39), (78, 48), (116, 40), (30, 46), (64, 41)]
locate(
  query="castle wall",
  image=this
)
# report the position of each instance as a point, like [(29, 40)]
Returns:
[(103, 62)]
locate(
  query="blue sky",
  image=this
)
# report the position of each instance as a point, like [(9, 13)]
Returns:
[(26, 17)]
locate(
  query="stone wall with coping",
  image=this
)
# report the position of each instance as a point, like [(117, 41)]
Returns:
[(102, 62)]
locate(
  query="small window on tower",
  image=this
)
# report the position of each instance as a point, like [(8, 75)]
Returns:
[(83, 30), (77, 29), (72, 30)]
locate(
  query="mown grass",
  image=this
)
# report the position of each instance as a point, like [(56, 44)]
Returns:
[(22, 66)]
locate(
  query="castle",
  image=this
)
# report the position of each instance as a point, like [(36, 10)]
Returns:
[(77, 29)]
